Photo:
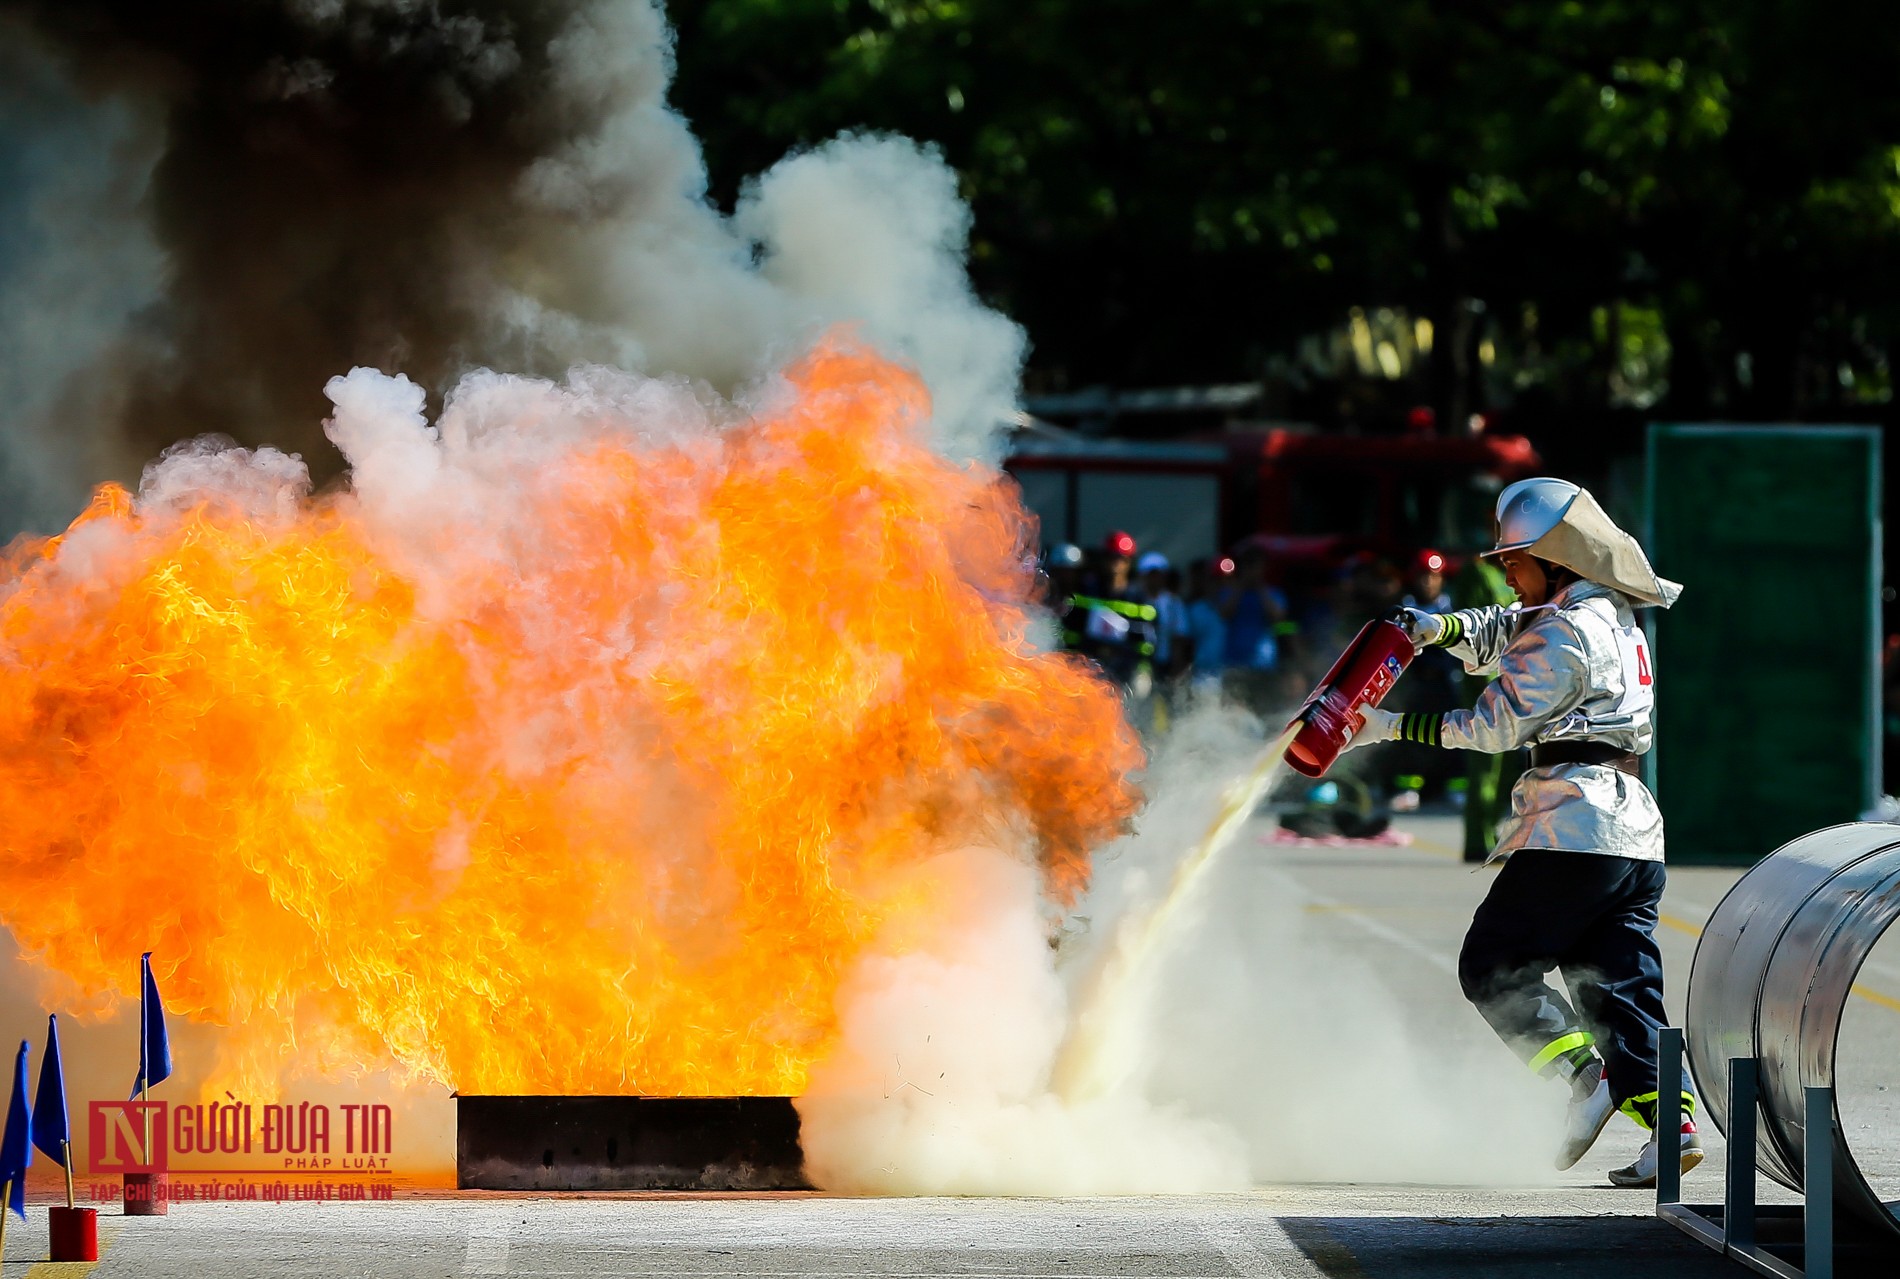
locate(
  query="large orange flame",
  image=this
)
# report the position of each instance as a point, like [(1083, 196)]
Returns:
[(598, 790)]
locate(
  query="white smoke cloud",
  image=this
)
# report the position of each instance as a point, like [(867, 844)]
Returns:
[(872, 229), (942, 1083), (1260, 1019), (1259, 1049), (264, 483)]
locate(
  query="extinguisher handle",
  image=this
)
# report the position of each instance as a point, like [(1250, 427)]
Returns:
[(1420, 627)]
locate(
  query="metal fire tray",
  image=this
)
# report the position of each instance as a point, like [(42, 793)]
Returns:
[(627, 1143)]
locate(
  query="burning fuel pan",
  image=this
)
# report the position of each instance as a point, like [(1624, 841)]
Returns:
[(627, 1143)]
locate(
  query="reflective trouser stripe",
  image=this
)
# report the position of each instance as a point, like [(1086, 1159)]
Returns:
[(1643, 1108), (1561, 1045)]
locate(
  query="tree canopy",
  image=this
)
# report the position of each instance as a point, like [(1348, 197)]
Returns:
[(1685, 205)]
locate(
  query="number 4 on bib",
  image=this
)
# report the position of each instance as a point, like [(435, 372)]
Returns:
[(1638, 679)]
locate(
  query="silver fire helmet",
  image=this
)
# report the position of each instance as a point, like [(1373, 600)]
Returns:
[(1557, 521), (1529, 509)]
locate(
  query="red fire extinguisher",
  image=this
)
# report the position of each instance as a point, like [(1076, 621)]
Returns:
[(1361, 677)]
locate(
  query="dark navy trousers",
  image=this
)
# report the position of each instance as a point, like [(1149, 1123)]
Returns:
[(1593, 917)]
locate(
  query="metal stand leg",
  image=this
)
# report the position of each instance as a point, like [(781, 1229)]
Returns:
[(1738, 1220), (1817, 1181), (1736, 1237), (1668, 1113)]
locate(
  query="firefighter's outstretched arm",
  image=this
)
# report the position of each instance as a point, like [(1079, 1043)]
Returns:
[(1475, 636), (1541, 676)]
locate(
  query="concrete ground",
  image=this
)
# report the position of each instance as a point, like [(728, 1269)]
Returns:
[(1407, 904)]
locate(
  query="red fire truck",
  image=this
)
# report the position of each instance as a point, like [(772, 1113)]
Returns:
[(1303, 494)]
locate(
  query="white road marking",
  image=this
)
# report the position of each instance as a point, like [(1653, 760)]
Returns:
[(1357, 915), (1257, 1248)]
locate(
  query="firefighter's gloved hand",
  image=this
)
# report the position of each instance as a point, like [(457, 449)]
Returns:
[(1381, 726), (1424, 629)]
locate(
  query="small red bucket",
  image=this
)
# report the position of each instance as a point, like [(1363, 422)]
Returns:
[(146, 1194), (74, 1233)]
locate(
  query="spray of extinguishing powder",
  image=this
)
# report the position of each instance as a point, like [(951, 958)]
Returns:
[(1100, 1050)]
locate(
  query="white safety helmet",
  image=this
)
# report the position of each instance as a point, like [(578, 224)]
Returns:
[(1529, 509)]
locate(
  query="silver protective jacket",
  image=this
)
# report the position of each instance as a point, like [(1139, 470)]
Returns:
[(1574, 670)]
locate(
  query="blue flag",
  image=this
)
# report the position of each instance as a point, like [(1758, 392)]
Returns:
[(16, 1150), (52, 1125), (155, 1050)]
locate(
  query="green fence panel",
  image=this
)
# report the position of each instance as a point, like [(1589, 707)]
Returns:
[(1767, 669)]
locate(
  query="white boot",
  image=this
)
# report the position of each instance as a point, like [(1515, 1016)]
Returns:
[(1590, 1109), (1643, 1171)]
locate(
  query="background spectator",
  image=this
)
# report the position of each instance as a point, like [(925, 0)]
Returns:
[(1253, 609), (1207, 629), (1155, 587)]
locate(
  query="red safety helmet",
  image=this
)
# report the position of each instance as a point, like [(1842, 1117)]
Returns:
[(1119, 543), (1429, 561)]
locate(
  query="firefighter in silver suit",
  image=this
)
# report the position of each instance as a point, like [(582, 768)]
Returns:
[(1582, 884)]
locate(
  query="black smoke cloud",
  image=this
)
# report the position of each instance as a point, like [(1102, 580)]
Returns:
[(334, 181), (425, 187)]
